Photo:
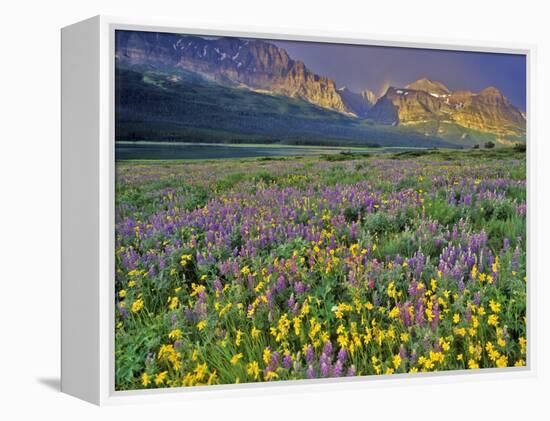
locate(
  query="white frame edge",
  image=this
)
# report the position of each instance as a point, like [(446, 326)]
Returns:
[(87, 327)]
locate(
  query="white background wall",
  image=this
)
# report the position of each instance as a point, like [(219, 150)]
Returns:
[(29, 204)]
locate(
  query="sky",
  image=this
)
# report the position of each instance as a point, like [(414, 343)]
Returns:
[(362, 67)]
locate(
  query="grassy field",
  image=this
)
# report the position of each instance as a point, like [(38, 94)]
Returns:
[(246, 270)]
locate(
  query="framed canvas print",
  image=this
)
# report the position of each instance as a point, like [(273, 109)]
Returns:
[(244, 210)]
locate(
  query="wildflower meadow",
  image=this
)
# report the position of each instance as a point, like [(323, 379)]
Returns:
[(264, 269)]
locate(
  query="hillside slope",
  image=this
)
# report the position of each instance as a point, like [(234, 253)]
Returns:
[(185, 107)]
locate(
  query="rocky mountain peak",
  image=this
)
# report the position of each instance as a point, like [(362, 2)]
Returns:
[(426, 101), (253, 64), (492, 95), (264, 67), (429, 86), (369, 95)]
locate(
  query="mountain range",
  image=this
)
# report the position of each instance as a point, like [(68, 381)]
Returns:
[(246, 68)]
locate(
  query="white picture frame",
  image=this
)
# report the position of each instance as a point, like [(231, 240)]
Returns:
[(87, 325)]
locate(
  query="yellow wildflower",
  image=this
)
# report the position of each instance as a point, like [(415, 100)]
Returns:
[(460, 331), (255, 332), (394, 313), (297, 322), (445, 345), (271, 375), (253, 370), (392, 292), (137, 305), (200, 371), (175, 334), (266, 355), (396, 360), (472, 364), (502, 361), (212, 377), (160, 378), (492, 320), (145, 379), (235, 359), (173, 303), (197, 289), (495, 307), (185, 258)]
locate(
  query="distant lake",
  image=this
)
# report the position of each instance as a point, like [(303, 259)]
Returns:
[(167, 150)]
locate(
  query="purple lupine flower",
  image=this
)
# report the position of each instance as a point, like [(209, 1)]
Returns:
[(351, 279), (270, 295), (413, 288), (275, 358), (435, 311), (189, 314), (515, 259), (324, 358), (310, 372), (299, 288), (405, 314), (309, 354), (419, 313), (325, 369), (351, 371), (122, 310), (291, 301), (218, 287), (413, 358), (293, 267), (342, 355), (468, 314), (337, 369), (287, 361), (327, 348), (477, 298), (281, 284)]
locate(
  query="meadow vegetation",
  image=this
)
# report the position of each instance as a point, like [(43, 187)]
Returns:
[(252, 270)]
